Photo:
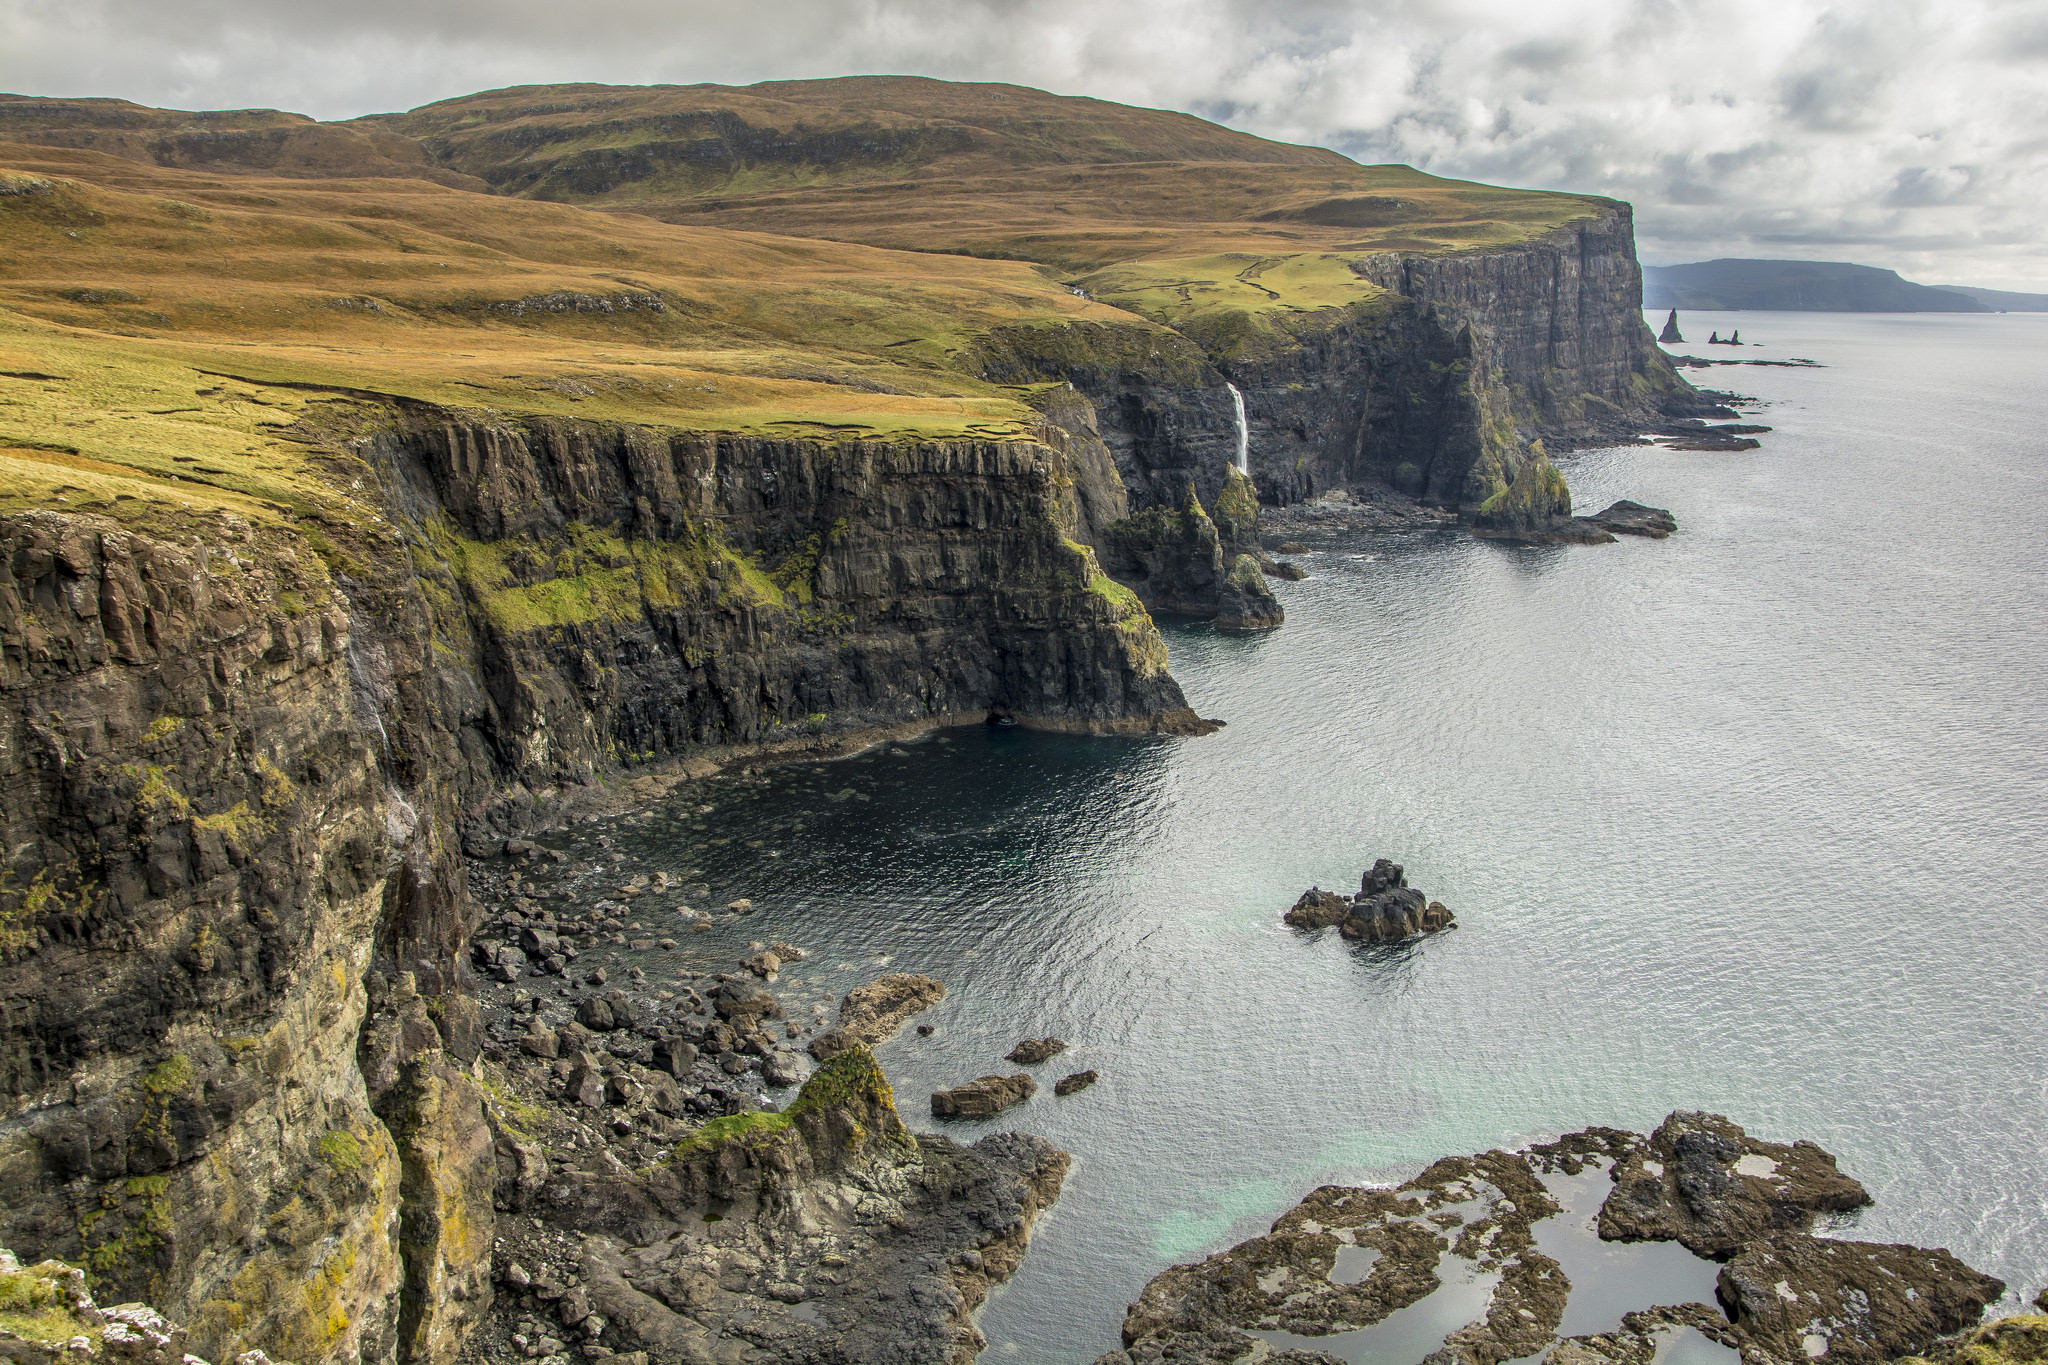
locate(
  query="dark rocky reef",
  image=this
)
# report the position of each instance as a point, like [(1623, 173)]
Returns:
[(1385, 910), (983, 1097), (1346, 1259)]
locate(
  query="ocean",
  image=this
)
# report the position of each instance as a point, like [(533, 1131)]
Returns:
[(1753, 819)]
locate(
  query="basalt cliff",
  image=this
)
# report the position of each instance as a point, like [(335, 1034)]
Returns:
[(365, 505)]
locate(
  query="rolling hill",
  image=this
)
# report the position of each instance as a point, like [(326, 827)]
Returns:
[(1796, 286)]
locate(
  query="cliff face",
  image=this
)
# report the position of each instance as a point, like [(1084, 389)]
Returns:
[(235, 1047), (1445, 388)]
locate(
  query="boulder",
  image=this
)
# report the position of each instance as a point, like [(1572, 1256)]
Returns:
[(1384, 875), (871, 1014), (983, 1097), (540, 1041), (734, 1000), (1080, 1080), (605, 1011), (675, 1056), (1032, 1051), (1388, 917), (1318, 909), (765, 965)]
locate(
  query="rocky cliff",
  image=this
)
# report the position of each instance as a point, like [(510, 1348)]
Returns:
[(1446, 387), (235, 1041)]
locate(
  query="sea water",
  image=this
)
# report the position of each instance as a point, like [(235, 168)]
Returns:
[(1753, 819)]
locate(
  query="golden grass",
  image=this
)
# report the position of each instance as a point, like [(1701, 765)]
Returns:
[(407, 288)]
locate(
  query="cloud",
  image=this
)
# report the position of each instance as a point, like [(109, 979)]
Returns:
[(1904, 133)]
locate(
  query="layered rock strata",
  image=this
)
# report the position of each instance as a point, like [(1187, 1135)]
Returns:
[(239, 766), (1444, 390)]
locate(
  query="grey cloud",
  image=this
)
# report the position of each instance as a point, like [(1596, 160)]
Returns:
[(1905, 132)]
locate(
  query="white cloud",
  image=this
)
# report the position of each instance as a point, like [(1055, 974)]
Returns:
[(1905, 133)]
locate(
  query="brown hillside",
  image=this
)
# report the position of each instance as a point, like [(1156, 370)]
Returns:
[(989, 170)]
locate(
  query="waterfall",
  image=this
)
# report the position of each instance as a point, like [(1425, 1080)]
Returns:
[(1244, 432)]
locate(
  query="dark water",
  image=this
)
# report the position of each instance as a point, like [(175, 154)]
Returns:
[(1751, 820)]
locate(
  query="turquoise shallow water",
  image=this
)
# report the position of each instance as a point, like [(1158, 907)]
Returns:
[(1754, 819)]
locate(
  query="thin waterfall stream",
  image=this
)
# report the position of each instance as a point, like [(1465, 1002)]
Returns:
[(1244, 432)]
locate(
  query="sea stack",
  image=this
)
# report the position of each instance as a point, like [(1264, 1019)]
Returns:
[(1670, 336)]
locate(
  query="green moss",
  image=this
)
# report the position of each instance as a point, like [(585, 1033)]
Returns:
[(172, 1076), (731, 1128), (162, 728), (237, 822), (339, 1150), (1114, 593), (155, 793)]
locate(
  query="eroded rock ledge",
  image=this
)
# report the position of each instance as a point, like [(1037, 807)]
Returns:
[(1346, 1260), (825, 1233)]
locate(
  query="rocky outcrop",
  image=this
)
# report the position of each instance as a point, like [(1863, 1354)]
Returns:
[(1385, 910), (1345, 1259), (1074, 1084), (1032, 1051), (1633, 519), (1245, 602), (1702, 1181), (47, 1317), (1797, 1297), (983, 1097), (871, 1014), (826, 1235)]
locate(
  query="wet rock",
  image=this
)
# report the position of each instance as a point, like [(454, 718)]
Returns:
[(1633, 519), (765, 965), (735, 1001), (1032, 1051), (1286, 569), (1803, 1297), (982, 1097), (675, 1056), (1290, 547), (742, 906), (1079, 1081), (1792, 1296), (1244, 602), (1318, 909), (872, 1014), (1386, 909), (1704, 1182)]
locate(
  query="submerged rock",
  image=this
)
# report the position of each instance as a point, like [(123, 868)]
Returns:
[(983, 1097), (1075, 1083)]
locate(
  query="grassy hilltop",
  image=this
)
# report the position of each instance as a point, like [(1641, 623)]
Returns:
[(795, 258)]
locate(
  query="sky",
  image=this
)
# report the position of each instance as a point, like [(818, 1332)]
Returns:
[(1911, 134)]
